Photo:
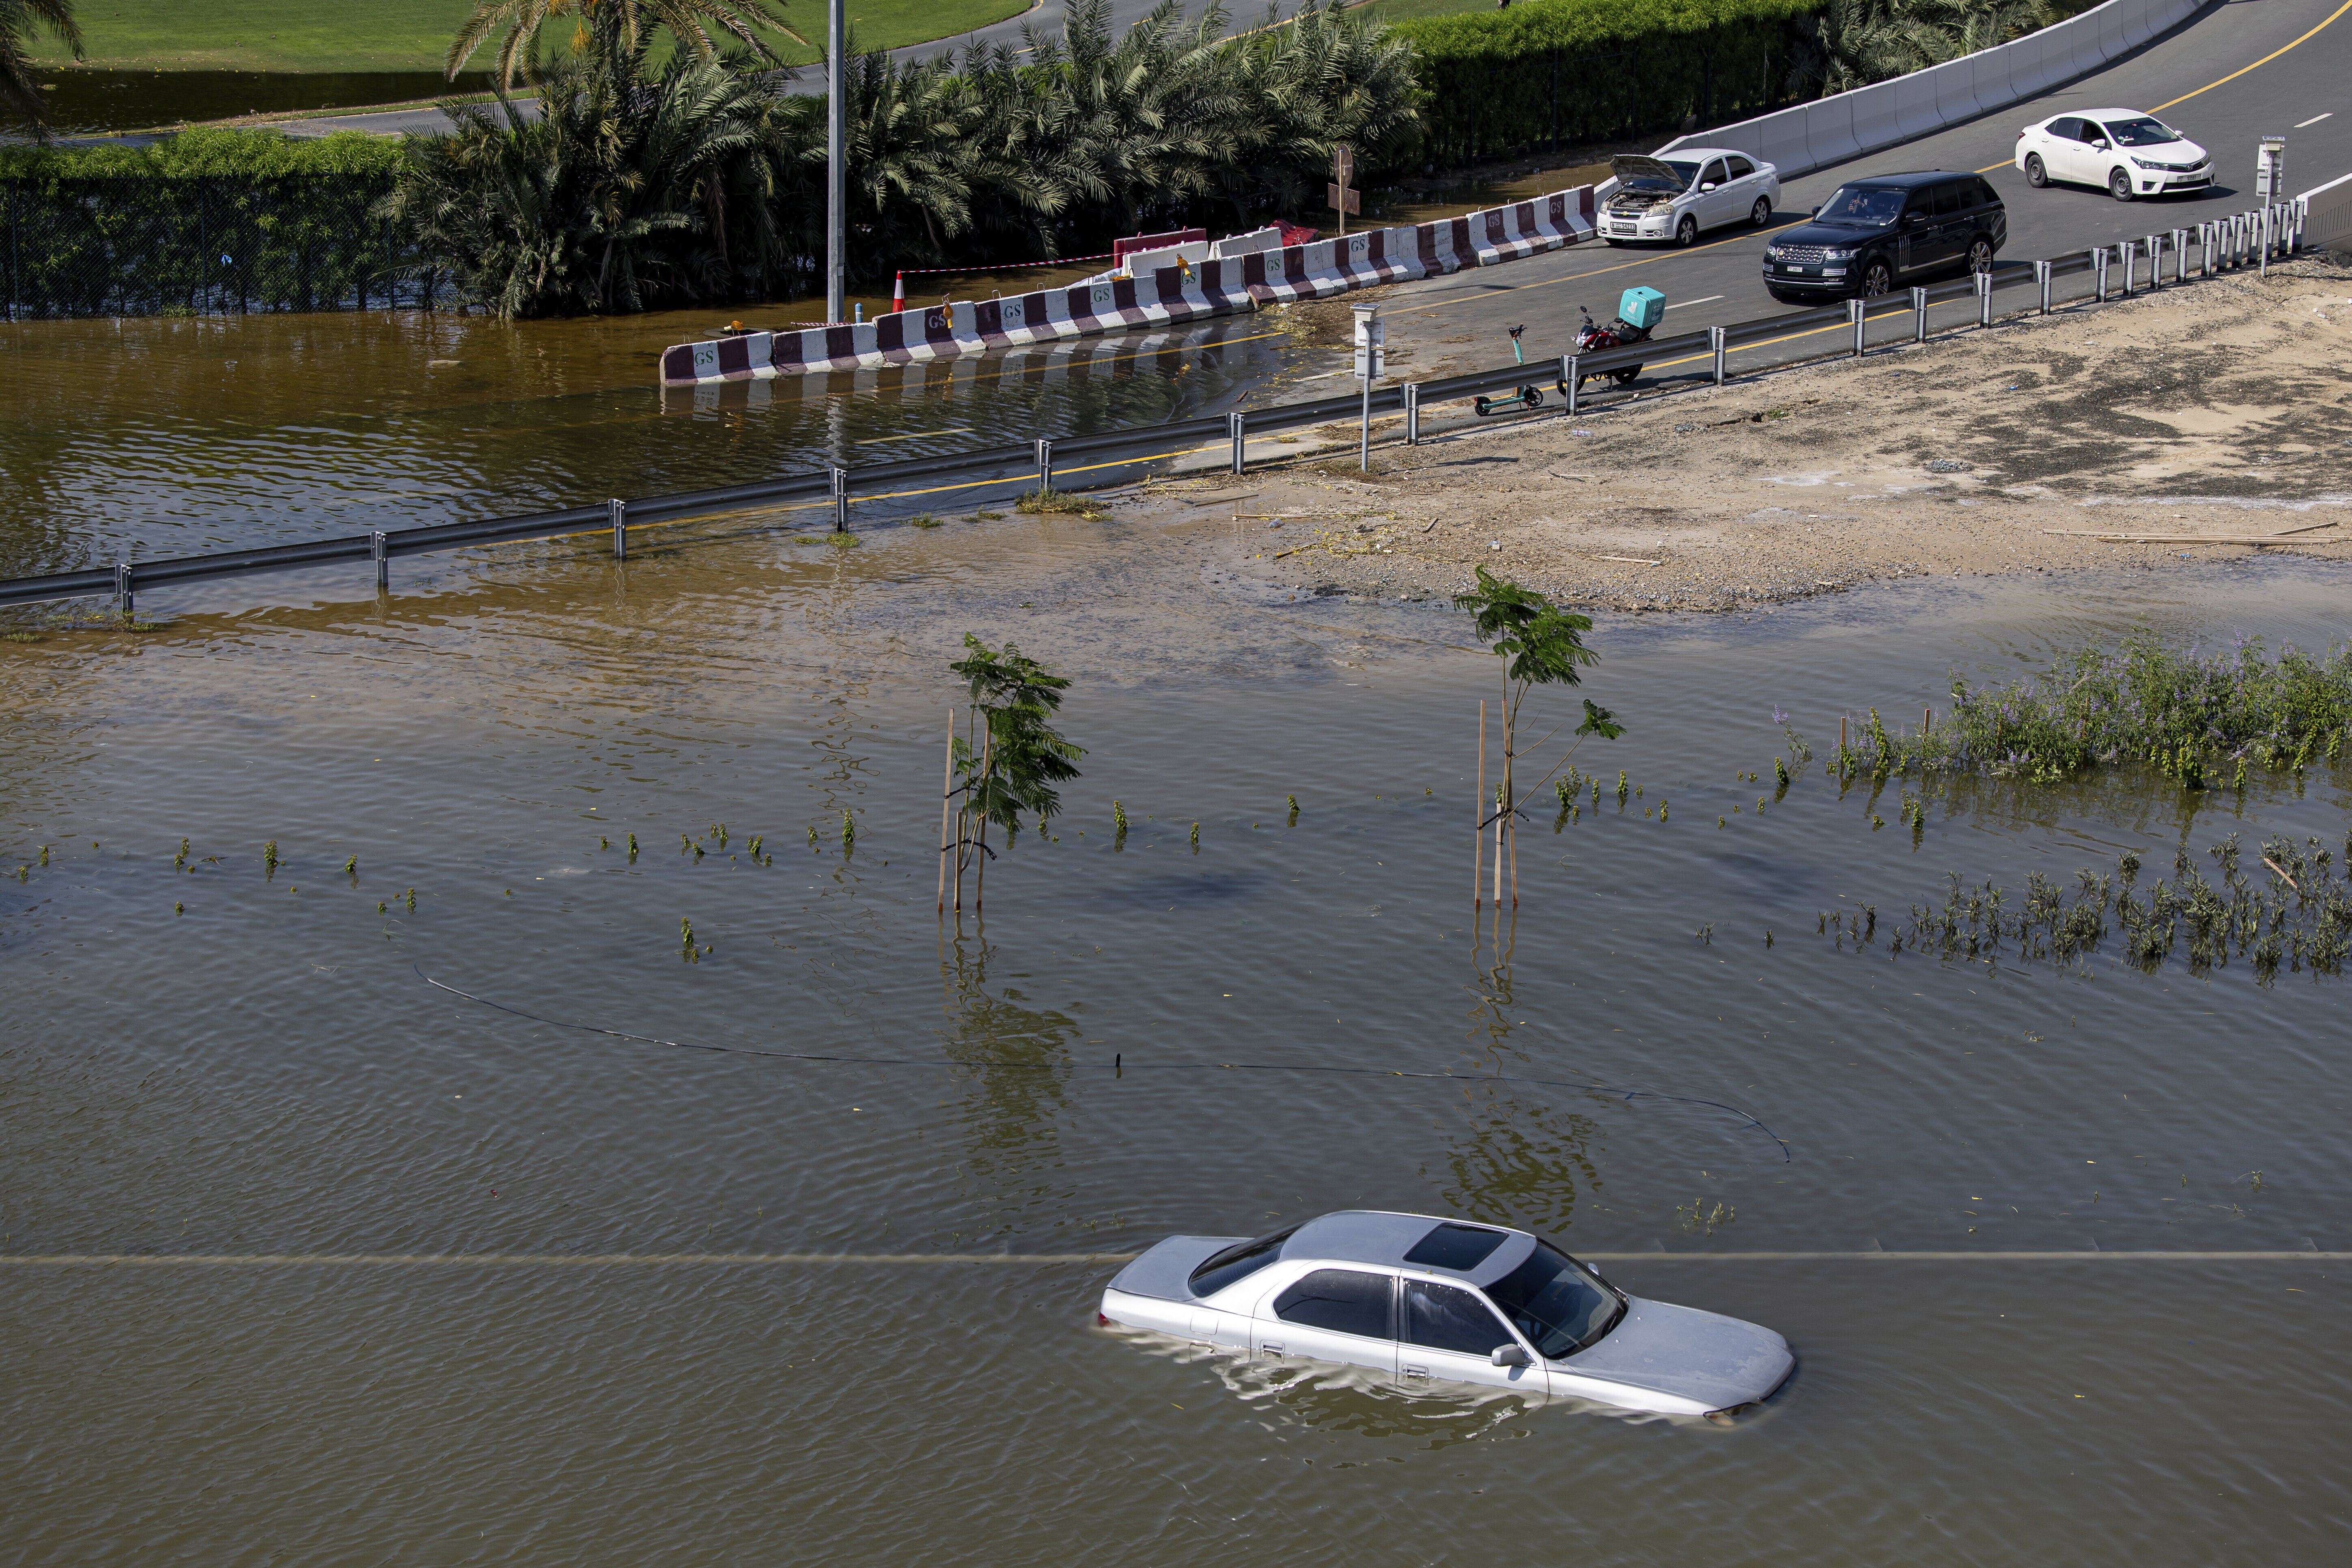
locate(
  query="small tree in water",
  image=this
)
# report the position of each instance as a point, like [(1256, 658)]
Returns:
[(1010, 761), (1539, 645)]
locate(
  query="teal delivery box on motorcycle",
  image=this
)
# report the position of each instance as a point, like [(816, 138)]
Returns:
[(1643, 307)]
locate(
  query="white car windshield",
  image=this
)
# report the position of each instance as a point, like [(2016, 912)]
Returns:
[(1869, 206), (1557, 1304), (2144, 131)]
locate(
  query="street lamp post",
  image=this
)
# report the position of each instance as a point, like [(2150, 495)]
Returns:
[(836, 178)]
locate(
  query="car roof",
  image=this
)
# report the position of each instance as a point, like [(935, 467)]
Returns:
[(1905, 180), (1696, 153), (1381, 1236)]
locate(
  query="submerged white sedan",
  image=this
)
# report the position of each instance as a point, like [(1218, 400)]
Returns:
[(2130, 153), (1424, 1300), (1676, 196)]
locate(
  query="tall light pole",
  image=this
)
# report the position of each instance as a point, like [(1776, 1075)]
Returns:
[(837, 177)]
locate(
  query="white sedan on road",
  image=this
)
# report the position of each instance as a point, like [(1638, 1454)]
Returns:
[(1423, 1300), (1675, 197), (2131, 153)]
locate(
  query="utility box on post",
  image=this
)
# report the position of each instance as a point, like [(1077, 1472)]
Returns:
[(1372, 335), (2270, 170), (1643, 307)]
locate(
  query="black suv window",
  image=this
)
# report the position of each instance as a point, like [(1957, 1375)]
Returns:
[(1986, 195), (1238, 1261), (1445, 1318), (1343, 1301)]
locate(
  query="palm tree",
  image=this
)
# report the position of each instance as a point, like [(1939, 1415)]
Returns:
[(691, 22), (20, 88)]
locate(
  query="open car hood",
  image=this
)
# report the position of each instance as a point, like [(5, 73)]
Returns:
[(1630, 166)]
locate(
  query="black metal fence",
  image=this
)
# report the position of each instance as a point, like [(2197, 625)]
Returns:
[(204, 245)]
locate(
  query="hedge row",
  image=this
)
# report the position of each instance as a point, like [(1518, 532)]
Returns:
[(1582, 71), (208, 152)]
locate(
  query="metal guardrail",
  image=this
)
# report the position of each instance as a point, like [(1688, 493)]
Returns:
[(2244, 239)]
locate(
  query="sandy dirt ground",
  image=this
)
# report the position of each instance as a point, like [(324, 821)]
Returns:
[(2207, 414)]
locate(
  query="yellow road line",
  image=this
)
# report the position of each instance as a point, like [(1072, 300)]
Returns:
[(2266, 59)]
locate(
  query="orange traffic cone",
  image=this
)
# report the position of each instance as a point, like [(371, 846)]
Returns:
[(898, 293)]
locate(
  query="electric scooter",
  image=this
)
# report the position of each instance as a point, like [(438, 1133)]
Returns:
[(1529, 396)]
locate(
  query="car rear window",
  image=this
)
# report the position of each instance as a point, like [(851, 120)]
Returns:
[(1341, 1301), (1460, 1248), (1238, 1261), (1741, 168)]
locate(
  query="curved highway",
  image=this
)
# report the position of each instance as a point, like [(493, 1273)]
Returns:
[(2236, 71)]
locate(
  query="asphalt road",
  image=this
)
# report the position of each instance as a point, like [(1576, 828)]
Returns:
[(2187, 77)]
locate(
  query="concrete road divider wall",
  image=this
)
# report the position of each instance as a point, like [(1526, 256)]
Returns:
[(1174, 284), (2327, 215), (1869, 119)]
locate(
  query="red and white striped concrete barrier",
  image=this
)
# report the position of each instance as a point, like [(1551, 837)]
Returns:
[(1190, 288)]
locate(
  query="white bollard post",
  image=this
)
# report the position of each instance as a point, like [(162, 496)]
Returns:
[(1857, 313), (2041, 281), (1233, 423), (1919, 315), (1720, 341), (2099, 267), (1984, 299), (2127, 252), (1044, 466), (1412, 413)]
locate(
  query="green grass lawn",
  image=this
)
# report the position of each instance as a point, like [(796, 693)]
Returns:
[(1405, 10), (413, 35)]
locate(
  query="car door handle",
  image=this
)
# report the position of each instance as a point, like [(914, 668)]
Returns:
[(1271, 1347), (1413, 1371)]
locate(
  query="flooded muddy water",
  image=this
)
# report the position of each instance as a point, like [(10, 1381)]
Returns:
[(133, 438), (609, 1340)]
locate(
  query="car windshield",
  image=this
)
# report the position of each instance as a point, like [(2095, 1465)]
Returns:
[(1238, 1261), (2141, 132), (1866, 207), (1555, 1303)]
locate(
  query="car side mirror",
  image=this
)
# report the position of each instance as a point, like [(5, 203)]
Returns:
[(1707, 187), (1915, 218), (1510, 1355), (2099, 146)]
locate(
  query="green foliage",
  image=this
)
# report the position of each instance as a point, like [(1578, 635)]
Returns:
[(740, 23), (622, 193), (209, 152), (1848, 44), (1021, 756), (20, 87), (2198, 719), (1624, 67)]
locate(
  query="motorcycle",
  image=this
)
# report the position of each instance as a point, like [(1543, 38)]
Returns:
[(1591, 338)]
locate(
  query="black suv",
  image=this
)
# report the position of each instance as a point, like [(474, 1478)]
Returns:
[(1873, 233)]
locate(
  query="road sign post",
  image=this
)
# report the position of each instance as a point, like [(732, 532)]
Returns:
[(1372, 335), (1338, 196)]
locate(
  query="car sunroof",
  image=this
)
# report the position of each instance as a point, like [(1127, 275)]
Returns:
[(1455, 1247)]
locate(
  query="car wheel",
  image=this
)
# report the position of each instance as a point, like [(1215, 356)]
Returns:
[(1877, 277), (1625, 377), (2036, 174), (1980, 255), (2119, 185), (1760, 215), (1687, 232)]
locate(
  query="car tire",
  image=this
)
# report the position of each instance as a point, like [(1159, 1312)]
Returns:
[(2119, 184), (2037, 173), (1625, 377), (1687, 232), (1760, 215), (1877, 277), (1980, 255)]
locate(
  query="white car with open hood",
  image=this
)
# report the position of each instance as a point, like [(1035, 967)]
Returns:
[(1424, 1300), (1673, 196), (2130, 153)]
